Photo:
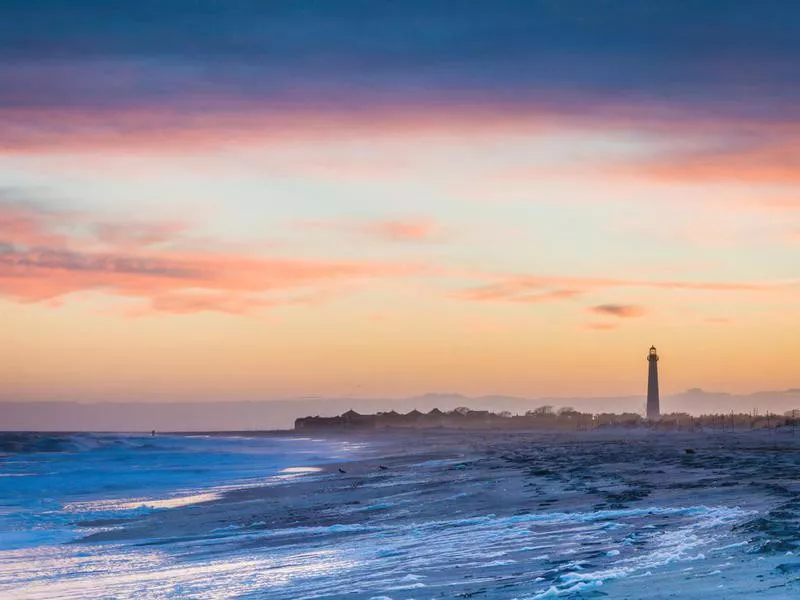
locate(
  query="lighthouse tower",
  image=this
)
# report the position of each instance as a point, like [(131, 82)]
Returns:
[(653, 408)]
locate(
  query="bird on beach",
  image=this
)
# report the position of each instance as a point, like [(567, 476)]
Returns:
[(341, 470)]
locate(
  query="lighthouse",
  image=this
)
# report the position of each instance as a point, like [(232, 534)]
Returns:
[(653, 409)]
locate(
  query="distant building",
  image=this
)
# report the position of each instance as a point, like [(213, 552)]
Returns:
[(653, 404)]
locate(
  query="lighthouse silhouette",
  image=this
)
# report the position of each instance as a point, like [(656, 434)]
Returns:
[(653, 408)]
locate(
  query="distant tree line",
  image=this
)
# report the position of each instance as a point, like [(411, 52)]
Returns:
[(546, 418)]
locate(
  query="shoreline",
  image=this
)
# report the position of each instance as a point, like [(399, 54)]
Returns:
[(495, 514), (471, 481)]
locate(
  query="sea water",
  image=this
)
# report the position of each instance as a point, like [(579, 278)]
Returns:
[(51, 485), (508, 519)]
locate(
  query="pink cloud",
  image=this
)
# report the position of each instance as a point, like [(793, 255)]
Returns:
[(762, 151), (760, 162), (601, 326), (514, 294), (691, 148), (23, 224), (402, 231), (137, 235), (156, 130), (623, 311), (527, 288), (193, 302), (139, 263), (788, 203), (397, 230)]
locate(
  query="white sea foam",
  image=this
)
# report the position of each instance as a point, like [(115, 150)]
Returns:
[(418, 552), (301, 470), (139, 503), (119, 576)]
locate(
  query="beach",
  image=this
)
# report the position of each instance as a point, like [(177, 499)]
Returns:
[(448, 514)]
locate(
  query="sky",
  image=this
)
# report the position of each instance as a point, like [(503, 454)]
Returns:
[(231, 200)]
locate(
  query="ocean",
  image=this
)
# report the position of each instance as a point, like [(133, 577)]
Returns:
[(56, 489), (399, 516)]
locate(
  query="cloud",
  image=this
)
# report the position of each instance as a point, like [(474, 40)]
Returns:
[(525, 296), (227, 74), (530, 288), (231, 303), (403, 231), (41, 273), (138, 235), (25, 223), (707, 55), (154, 130), (771, 157), (148, 262), (391, 230), (786, 203), (623, 311), (601, 326), (702, 150)]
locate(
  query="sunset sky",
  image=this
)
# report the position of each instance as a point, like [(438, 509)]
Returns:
[(257, 200)]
